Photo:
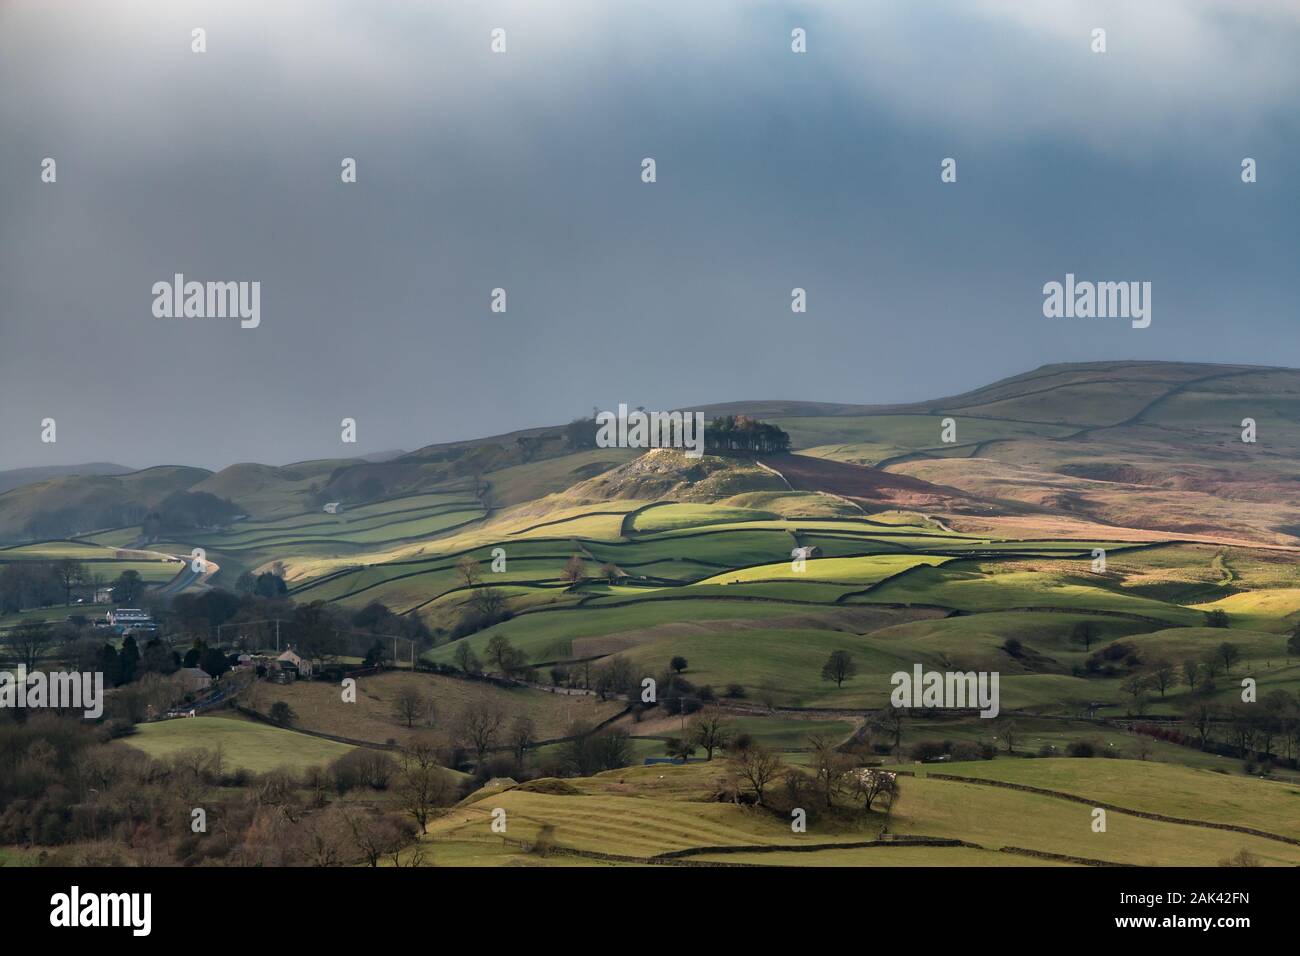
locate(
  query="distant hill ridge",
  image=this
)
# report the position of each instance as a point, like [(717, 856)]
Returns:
[(1093, 420), (28, 476)]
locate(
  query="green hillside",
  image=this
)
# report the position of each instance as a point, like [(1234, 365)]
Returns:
[(1097, 537)]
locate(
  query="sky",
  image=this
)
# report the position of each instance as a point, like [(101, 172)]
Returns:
[(522, 170)]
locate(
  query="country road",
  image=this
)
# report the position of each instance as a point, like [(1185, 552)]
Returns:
[(188, 576)]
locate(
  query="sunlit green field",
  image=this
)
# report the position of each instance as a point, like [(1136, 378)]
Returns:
[(253, 746), (648, 811), (1152, 787)]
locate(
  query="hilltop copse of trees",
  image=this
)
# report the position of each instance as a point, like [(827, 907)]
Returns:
[(742, 433), (727, 433)]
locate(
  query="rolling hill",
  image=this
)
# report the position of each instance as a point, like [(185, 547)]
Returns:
[(28, 476), (80, 504), (1096, 535)]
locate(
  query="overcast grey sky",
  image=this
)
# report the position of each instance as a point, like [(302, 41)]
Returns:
[(522, 170)]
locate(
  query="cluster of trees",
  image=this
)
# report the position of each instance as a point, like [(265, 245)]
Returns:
[(42, 583), (318, 629), (742, 433), (709, 732), (71, 520), (1162, 675), (589, 751), (616, 678), (486, 606), (210, 659), (484, 734), (925, 751), (129, 663), (268, 584), (29, 584), (33, 584), (416, 777), (32, 641), (186, 511), (835, 775), (1268, 728), (581, 433), (725, 433), (65, 785)]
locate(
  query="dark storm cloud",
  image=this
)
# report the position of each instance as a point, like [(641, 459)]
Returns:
[(522, 171)]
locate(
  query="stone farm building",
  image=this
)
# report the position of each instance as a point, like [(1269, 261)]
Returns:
[(291, 663), (194, 679)]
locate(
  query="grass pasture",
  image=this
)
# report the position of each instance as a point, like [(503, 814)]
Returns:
[(642, 812), (254, 746), (373, 717), (1155, 787)]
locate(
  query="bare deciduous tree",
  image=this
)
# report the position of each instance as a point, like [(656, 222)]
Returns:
[(521, 736), (574, 572), (466, 659), (1010, 733), (423, 785), (889, 723), (1200, 717), (29, 640), (410, 705), (839, 667), (830, 768), (469, 570), (489, 602), (1163, 676), (376, 835), (324, 838), (870, 785), (710, 731), (71, 573), (758, 766), (1135, 688), (477, 727)]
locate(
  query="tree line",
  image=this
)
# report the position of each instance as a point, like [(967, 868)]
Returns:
[(35, 584)]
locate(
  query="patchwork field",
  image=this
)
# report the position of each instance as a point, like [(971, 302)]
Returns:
[(1095, 536)]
